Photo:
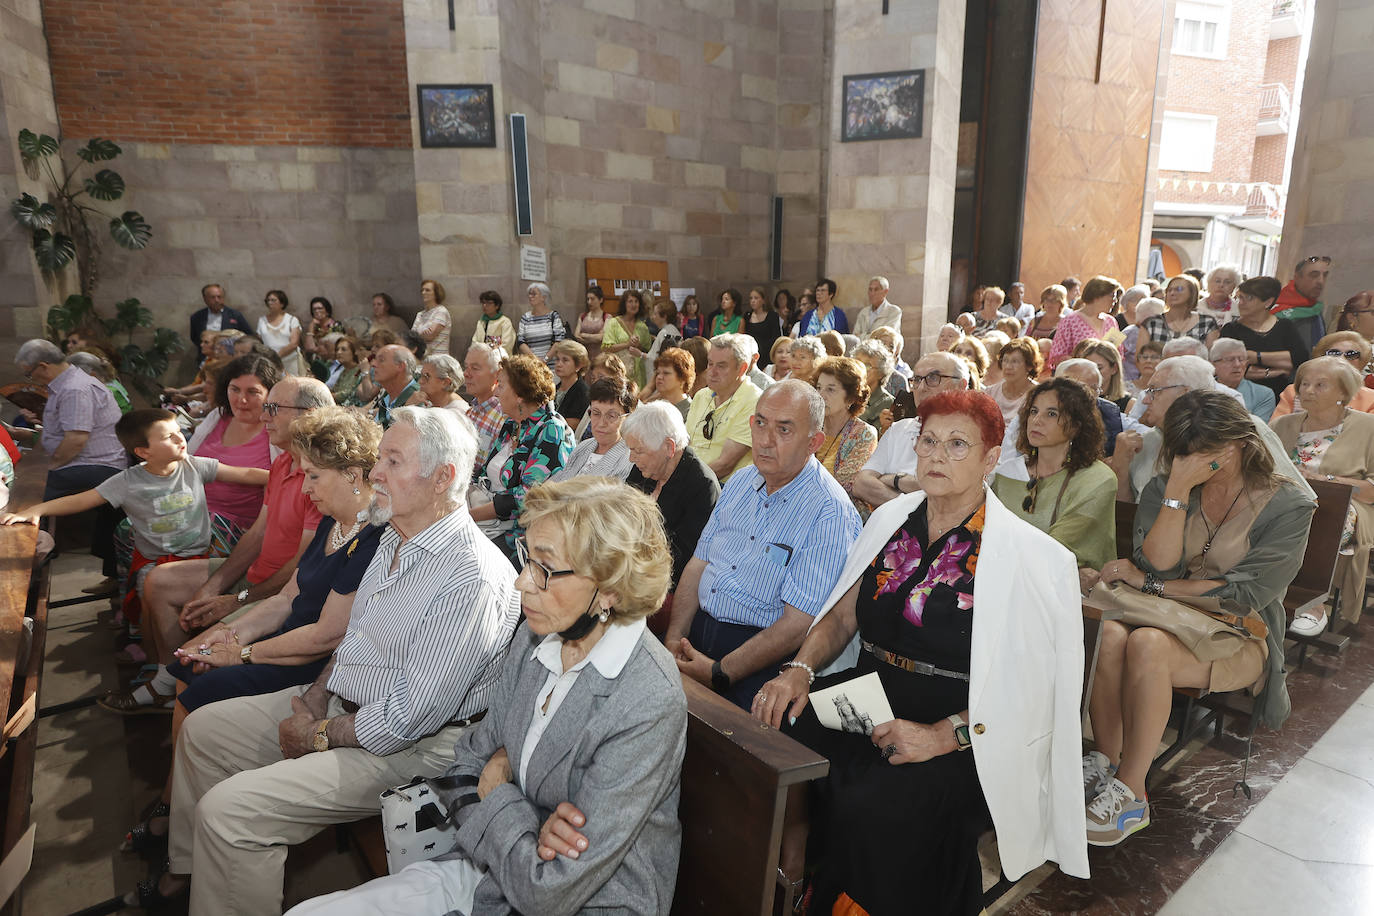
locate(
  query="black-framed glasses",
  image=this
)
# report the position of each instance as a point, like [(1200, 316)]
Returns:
[(1348, 354), (708, 425), (539, 573), (932, 379), (271, 408), (1151, 392)]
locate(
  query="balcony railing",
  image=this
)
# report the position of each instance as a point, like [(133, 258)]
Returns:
[(1287, 19), (1274, 109), (1266, 202)]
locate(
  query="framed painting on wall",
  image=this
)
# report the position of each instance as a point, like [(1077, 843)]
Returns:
[(456, 115), (883, 106)]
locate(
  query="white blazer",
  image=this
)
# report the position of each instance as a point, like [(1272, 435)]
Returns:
[(1025, 682)]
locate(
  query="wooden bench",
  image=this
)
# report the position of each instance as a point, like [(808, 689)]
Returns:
[(23, 593), (735, 779)]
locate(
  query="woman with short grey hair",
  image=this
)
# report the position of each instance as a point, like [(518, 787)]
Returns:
[(805, 353), (440, 378), (666, 468), (541, 327)]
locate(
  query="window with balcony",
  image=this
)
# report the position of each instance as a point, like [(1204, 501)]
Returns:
[(1187, 142), (1200, 28)]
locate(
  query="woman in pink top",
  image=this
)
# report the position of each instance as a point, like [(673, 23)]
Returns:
[(1090, 320), (237, 438)]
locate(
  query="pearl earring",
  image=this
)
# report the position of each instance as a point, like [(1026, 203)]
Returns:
[(357, 492), (604, 616)]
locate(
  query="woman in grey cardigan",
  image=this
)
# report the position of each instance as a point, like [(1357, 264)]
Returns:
[(605, 454), (586, 728)]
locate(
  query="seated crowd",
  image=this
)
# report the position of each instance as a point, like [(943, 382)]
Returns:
[(351, 560)]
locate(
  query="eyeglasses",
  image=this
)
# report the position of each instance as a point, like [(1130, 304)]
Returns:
[(610, 416), (539, 573), (955, 449), (1358, 311), (708, 425), (932, 379), (271, 408), (1348, 354), (1151, 392)]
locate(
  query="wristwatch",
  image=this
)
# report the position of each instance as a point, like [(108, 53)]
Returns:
[(1174, 504), (961, 738), (242, 596), (897, 482), (322, 736), (246, 654), (720, 681)]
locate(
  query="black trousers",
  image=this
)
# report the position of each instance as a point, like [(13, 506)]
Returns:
[(717, 640), (77, 479)]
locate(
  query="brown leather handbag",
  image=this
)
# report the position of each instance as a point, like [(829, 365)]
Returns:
[(1210, 628)]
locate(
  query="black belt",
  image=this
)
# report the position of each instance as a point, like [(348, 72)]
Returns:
[(906, 664)]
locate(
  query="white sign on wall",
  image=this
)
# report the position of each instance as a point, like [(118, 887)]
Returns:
[(534, 263)]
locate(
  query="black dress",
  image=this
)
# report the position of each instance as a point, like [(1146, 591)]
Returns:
[(904, 839), (1282, 336), (765, 334)]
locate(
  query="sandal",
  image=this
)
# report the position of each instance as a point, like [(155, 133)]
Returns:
[(141, 840), (126, 703), (147, 894), (145, 674)]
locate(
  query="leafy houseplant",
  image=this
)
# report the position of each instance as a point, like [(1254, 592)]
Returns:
[(63, 232)]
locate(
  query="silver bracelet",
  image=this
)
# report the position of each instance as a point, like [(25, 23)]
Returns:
[(810, 672), (1153, 585)]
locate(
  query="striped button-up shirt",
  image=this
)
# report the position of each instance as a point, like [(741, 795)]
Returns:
[(425, 642), (764, 550)]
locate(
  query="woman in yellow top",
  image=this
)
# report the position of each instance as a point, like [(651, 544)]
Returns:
[(493, 328), (1057, 481), (629, 336), (849, 441)]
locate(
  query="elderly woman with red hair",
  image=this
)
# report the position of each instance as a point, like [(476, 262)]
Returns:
[(991, 663)]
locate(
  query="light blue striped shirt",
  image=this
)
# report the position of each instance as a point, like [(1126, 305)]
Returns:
[(425, 643), (764, 550)]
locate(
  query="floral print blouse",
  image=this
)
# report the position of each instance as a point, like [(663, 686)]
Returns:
[(539, 445), (845, 454)]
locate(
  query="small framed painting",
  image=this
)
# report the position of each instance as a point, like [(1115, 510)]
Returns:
[(884, 106), (456, 115)]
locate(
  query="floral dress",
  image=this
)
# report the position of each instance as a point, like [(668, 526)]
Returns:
[(1308, 453), (893, 840), (845, 454)]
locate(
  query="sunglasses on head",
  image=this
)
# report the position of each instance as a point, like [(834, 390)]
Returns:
[(1317, 259)]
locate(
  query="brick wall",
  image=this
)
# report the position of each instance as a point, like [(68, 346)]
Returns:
[(291, 72), (1281, 66)]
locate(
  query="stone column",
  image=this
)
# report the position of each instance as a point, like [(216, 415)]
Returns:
[(891, 202), (26, 101), (1331, 194)]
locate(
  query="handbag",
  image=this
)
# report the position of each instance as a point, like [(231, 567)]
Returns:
[(1210, 628), (415, 828)]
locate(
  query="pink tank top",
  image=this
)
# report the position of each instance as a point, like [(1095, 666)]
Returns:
[(241, 504)]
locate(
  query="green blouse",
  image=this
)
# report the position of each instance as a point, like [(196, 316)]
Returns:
[(1078, 512)]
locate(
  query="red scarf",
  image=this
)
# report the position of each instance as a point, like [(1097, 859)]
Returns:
[(1290, 298)]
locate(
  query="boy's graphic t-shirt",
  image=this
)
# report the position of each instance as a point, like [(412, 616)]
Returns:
[(168, 514)]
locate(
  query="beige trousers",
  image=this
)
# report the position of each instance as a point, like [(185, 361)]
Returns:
[(237, 804)]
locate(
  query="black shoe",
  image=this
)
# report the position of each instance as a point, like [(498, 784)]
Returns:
[(141, 840), (149, 897)]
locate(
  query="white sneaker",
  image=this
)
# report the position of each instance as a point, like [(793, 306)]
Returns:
[(1116, 814), (1308, 624), (1097, 770)]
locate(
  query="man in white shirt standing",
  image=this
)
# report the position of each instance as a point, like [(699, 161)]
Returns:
[(880, 313)]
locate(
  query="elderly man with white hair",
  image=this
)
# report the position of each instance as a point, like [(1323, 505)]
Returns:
[(1229, 359), (718, 420), (393, 368), (880, 313), (1135, 459), (1181, 346), (665, 467), (430, 623), (751, 348), (480, 369), (891, 469)]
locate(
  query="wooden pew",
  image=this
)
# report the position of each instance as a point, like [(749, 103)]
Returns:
[(735, 779), (22, 593)]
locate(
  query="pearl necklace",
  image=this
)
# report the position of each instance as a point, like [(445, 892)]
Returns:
[(337, 540)]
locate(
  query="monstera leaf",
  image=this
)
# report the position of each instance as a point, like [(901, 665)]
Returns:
[(98, 150), (76, 311), (34, 146), (130, 230), (33, 213), (131, 314), (52, 251), (106, 185), (165, 340)]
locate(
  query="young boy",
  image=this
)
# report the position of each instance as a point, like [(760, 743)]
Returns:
[(164, 496)]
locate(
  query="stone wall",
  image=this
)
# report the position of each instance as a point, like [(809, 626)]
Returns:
[(339, 223), (890, 203), (25, 102), (1331, 192)]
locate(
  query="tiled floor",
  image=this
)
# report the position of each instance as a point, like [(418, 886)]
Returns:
[(1304, 845)]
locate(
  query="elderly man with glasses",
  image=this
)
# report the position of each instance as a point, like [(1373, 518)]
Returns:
[(189, 595), (1229, 361), (892, 467), (718, 420)]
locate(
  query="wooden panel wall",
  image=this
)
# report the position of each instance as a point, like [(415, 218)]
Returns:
[(1089, 142)]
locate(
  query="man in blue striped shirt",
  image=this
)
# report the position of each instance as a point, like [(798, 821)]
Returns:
[(430, 623), (769, 556)]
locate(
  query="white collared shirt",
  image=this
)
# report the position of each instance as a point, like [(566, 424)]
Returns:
[(610, 655)]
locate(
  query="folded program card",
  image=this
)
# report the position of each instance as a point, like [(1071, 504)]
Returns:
[(854, 706)]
